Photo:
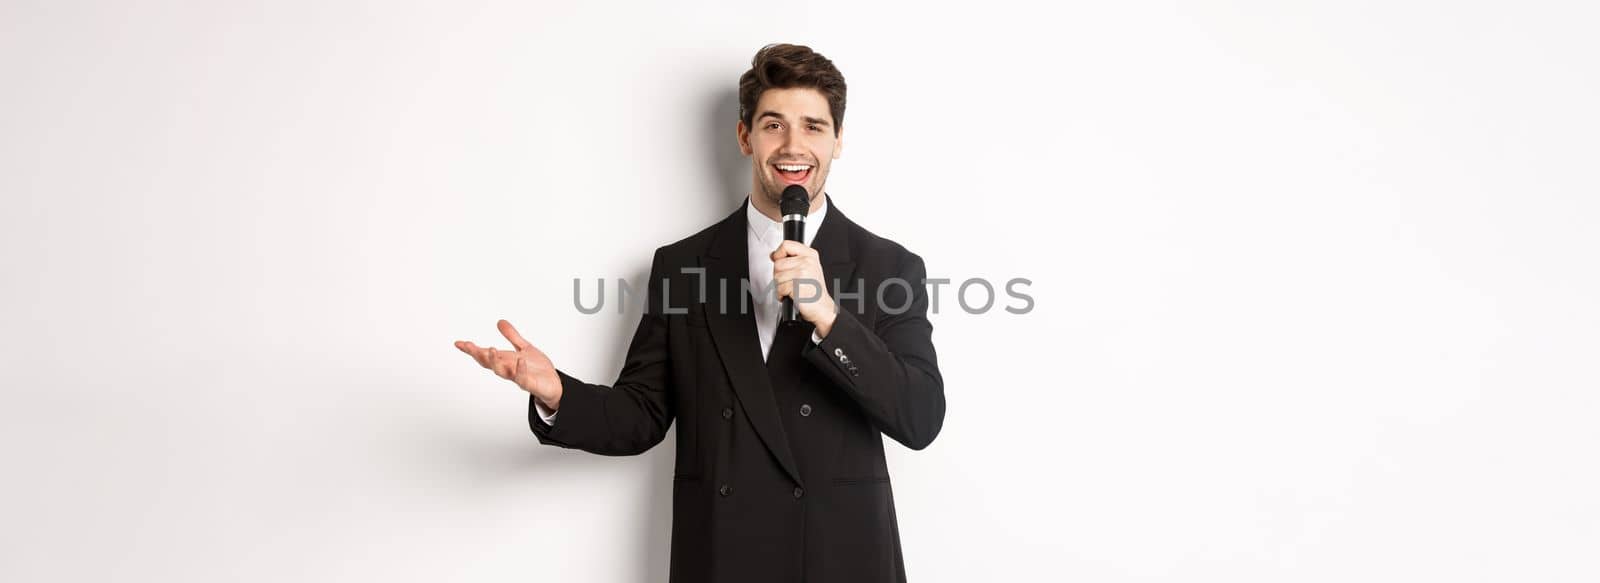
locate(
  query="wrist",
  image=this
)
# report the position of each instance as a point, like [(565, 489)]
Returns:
[(824, 324), (552, 406), (553, 400)]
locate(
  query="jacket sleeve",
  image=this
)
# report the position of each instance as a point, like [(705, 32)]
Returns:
[(633, 414), (890, 370)]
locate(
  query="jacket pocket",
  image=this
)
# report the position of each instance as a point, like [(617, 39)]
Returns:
[(860, 480)]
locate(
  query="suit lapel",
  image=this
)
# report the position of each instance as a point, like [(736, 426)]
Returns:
[(733, 332), (733, 326), (834, 248)]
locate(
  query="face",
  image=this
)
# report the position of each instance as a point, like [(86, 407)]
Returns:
[(792, 142)]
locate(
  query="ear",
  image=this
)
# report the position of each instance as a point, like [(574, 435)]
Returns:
[(744, 137), (838, 143)]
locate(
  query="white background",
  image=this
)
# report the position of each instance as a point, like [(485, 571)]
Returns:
[(1315, 284)]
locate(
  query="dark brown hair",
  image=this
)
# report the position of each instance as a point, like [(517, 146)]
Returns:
[(786, 66)]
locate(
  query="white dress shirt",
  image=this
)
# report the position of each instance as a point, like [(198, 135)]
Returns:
[(762, 237)]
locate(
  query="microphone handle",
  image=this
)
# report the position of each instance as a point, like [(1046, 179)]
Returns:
[(793, 230)]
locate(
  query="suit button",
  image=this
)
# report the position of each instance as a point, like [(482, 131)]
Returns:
[(798, 492), (727, 413), (725, 490), (838, 353), (805, 410)]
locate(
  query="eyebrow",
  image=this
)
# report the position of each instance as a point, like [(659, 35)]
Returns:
[(815, 120)]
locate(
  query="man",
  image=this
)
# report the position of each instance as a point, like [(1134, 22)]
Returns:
[(780, 473)]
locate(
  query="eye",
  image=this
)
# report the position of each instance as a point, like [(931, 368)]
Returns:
[(814, 128), (772, 125)]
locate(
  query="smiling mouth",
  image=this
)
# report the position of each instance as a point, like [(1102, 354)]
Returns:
[(793, 173)]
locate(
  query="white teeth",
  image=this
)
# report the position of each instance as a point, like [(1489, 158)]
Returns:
[(792, 168)]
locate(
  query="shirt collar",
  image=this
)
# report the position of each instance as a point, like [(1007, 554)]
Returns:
[(770, 232)]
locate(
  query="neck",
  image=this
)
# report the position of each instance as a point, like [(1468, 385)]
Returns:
[(770, 209)]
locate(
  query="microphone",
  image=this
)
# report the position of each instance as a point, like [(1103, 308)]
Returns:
[(794, 205)]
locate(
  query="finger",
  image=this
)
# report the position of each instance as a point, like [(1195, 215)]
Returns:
[(786, 249), (793, 273), (510, 332), (792, 248), (789, 276), (473, 351), (788, 263), (489, 357), (504, 364)]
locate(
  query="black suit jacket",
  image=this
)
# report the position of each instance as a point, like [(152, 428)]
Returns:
[(780, 476)]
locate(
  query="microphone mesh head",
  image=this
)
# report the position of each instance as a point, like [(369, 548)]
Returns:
[(795, 201)]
